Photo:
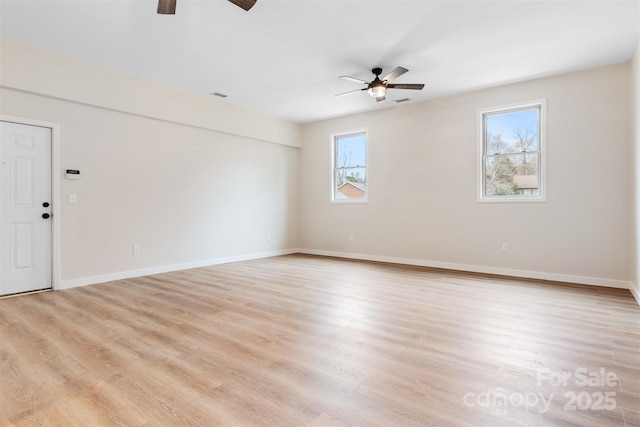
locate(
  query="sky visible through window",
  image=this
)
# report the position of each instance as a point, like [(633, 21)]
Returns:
[(505, 124), (353, 147)]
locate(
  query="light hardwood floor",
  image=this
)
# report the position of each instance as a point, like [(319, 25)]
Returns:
[(311, 341)]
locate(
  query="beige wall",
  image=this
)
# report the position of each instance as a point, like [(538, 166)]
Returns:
[(422, 185), (188, 193), (24, 67), (635, 194), (195, 181)]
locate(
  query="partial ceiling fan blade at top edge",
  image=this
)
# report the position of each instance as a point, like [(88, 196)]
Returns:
[(394, 74), (245, 4), (405, 86), (166, 7), (351, 91), (354, 79)]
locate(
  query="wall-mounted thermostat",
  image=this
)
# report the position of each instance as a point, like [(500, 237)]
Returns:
[(72, 174)]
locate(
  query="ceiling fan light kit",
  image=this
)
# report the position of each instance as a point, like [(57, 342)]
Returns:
[(168, 7), (377, 91), (377, 88)]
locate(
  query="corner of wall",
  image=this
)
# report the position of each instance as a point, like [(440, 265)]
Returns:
[(635, 173)]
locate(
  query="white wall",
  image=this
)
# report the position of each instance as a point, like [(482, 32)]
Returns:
[(188, 193), (422, 179), (635, 194)]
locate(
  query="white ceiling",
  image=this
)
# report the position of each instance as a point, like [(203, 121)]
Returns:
[(283, 57)]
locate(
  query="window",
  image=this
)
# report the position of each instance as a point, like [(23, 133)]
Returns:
[(350, 167), (512, 153)]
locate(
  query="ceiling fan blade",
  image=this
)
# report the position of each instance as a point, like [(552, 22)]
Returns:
[(394, 74), (354, 79), (167, 7), (245, 4), (351, 91), (405, 86), (381, 98)]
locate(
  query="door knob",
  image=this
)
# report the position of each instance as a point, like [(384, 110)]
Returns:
[(45, 215)]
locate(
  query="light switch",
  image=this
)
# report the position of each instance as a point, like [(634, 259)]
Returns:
[(73, 198)]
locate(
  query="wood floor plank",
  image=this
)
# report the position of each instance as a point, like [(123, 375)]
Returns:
[(305, 340)]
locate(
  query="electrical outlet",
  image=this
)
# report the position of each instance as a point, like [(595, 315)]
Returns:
[(350, 236), (136, 249), (505, 247), (268, 237)]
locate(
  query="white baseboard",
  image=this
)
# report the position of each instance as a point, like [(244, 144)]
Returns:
[(84, 281), (567, 278), (595, 281)]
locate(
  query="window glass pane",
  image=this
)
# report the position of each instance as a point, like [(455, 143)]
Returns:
[(512, 161), (351, 150), (351, 183), (526, 164), (512, 132), (512, 175), (349, 167)]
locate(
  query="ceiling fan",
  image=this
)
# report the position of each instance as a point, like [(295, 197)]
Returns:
[(168, 7), (377, 88)]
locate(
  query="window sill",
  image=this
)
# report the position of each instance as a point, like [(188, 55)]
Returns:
[(348, 202), (511, 199)]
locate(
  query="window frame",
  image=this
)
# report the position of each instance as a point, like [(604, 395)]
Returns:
[(541, 104), (334, 139)]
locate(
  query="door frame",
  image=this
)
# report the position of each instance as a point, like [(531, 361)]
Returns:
[(55, 189)]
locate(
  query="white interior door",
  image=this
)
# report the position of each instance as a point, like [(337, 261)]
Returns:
[(25, 208)]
